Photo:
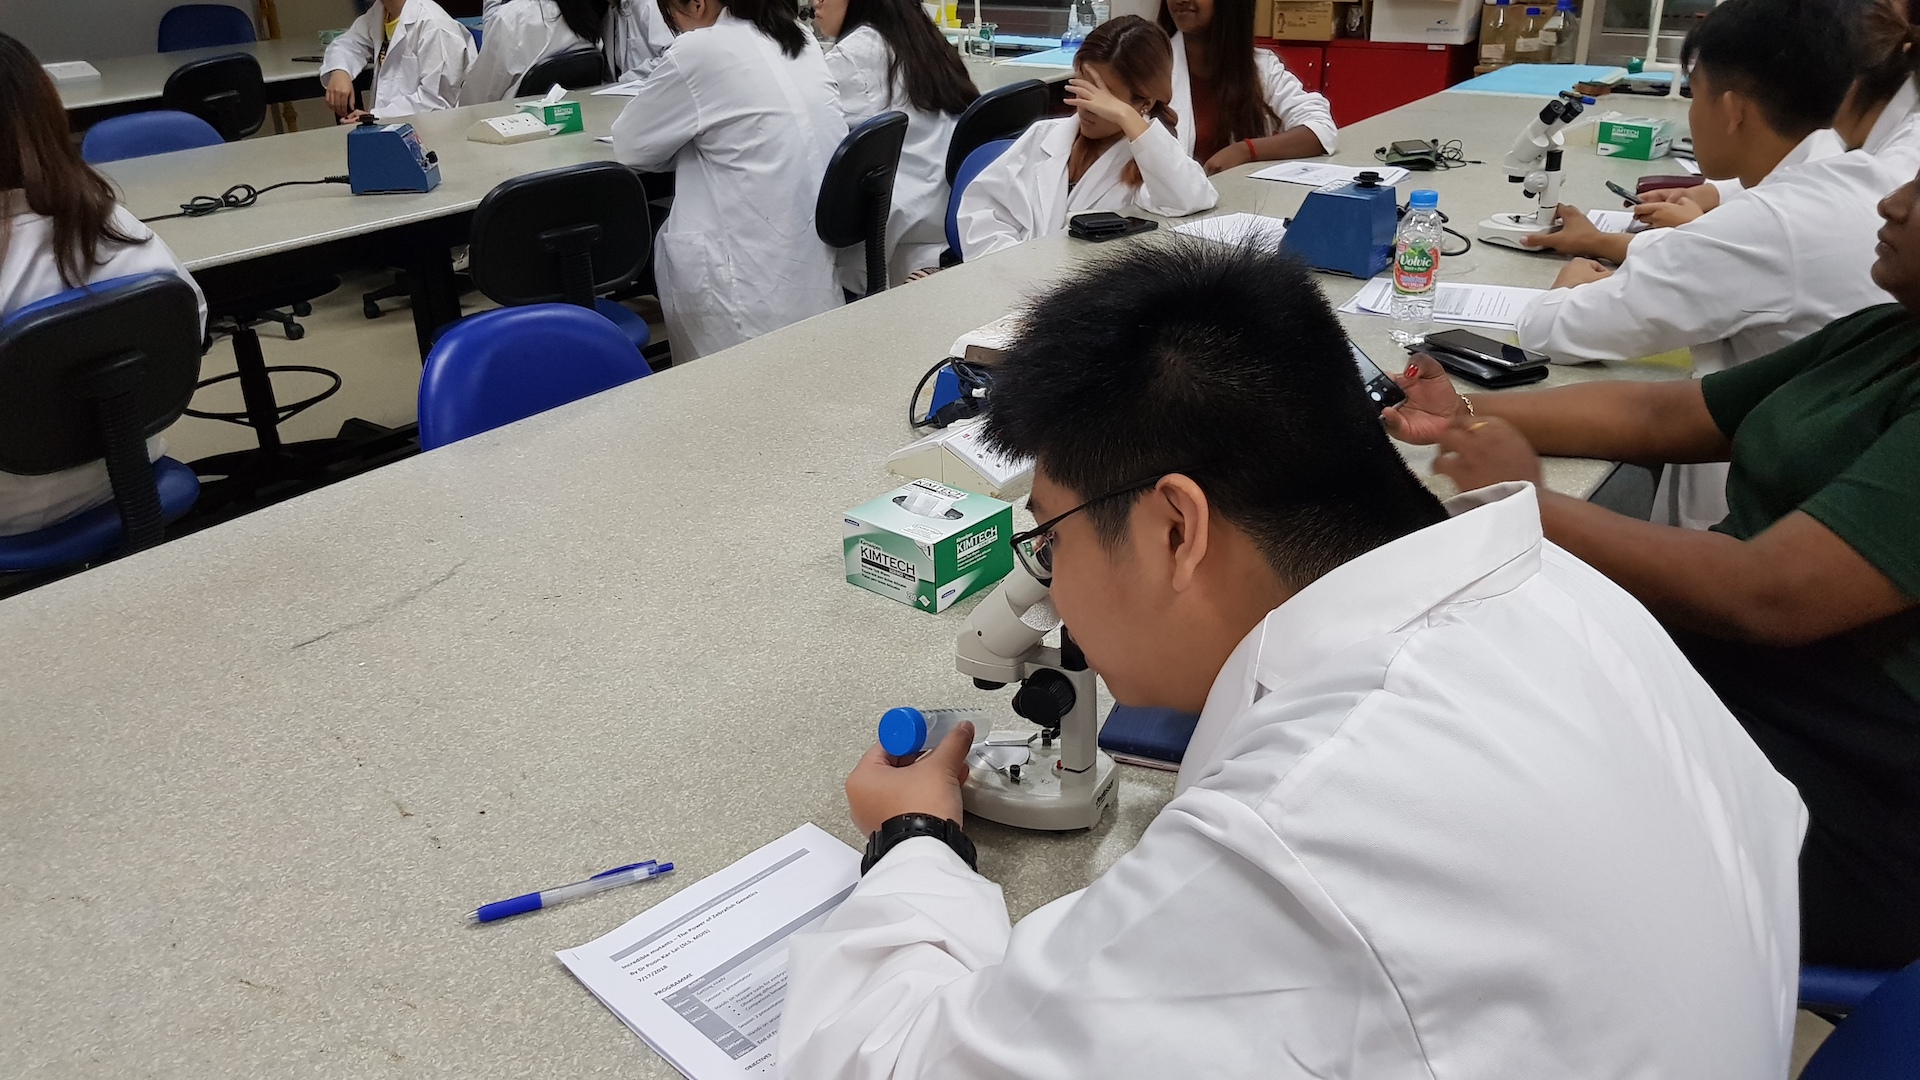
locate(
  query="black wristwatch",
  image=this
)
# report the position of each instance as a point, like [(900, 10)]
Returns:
[(895, 830)]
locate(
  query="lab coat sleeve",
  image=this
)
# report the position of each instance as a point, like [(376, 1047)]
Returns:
[(658, 121), (1166, 964), (494, 74), (444, 58), (641, 39), (352, 51), (858, 65), (999, 208), (1293, 103), (487, 11), (1720, 274), (1172, 184)]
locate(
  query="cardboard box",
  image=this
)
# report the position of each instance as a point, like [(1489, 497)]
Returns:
[(1303, 20), (561, 119), (928, 545), (1638, 138)]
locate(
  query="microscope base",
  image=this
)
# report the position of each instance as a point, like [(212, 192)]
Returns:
[(1507, 229), (1046, 798)]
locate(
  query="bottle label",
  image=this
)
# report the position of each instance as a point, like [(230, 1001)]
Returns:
[(1493, 53), (1415, 268), (1549, 38), (1527, 44)]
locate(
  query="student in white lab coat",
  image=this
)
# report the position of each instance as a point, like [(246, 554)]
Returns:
[(1455, 802), (1768, 268), (1237, 102), (1117, 153), (742, 109), (518, 34), (60, 228), (637, 37), (889, 56), (419, 53)]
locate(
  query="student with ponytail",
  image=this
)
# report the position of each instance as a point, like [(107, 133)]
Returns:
[(888, 56), (1240, 103), (743, 112), (519, 33), (1120, 151)]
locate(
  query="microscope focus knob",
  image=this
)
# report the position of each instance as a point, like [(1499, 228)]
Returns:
[(1045, 698)]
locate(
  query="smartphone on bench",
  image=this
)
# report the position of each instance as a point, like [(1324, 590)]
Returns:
[(1484, 349)]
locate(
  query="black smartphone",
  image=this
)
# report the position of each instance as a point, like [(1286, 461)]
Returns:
[(1102, 225), (1632, 199), (1485, 350), (1380, 387), (1478, 371)]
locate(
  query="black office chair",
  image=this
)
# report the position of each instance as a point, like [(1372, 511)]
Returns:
[(568, 235), (856, 195), (1002, 113), (247, 474), (225, 91), (92, 374), (576, 69)]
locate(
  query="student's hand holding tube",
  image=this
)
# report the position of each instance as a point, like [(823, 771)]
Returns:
[(878, 790)]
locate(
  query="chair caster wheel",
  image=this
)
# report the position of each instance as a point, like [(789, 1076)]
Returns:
[(295, 332), (370, 309), (303, 309)]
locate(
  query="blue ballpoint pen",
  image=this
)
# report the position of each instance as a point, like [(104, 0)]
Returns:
[(546, 898)]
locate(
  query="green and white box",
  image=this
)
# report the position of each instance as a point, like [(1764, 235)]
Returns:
[(561, 119), (1641, 138), (929, 545)]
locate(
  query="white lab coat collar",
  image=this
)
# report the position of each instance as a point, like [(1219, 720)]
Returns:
[(1899, 110), (1470, 556), (413, 14), (1101, 177), (1816, 146)]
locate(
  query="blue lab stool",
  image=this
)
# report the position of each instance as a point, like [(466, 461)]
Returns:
[(505, 365), (143, 134)]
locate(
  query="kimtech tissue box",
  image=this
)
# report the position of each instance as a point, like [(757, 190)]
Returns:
[(1640, 138), (928, 545)]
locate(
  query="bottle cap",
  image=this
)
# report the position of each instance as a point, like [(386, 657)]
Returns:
[(1533, 11), (1424, 200), (1564, 5), (903, 731)]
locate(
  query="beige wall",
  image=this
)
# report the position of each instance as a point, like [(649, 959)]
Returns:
[(88, 29)]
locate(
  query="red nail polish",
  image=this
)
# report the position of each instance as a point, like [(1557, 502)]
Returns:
[(1413, 371)]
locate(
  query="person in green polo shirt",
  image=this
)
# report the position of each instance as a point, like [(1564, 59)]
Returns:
[(1800, 608)]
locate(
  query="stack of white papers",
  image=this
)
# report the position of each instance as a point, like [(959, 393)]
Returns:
[(1496, 306), (1236, 229), (1320, 174), (702, 976), (1613, 221)]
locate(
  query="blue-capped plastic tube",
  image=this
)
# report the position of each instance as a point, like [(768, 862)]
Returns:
[(907, 732)]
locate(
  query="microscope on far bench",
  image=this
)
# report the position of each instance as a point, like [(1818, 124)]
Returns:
[(1064, 781), (1535, 164)]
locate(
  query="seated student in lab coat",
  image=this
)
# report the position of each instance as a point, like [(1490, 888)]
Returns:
[(60, 228), (637, 37), (1768, 268), (1236, 102), (744, 113), (419, 53), (1455, 801), (889, 56), (1799, 608), (519, 34), (1877, 116), (1117, 153)]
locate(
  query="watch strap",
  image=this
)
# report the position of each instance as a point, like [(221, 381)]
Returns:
[(899, 829)]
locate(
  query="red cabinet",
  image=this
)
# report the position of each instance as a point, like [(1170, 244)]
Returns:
[(1365, 78)]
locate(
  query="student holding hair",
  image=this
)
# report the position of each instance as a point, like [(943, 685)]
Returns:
[(889, 56), (1119, 151), (1238, 103), (1768, 268), (420, 57), (742, 110), (519, 34), (60, 228), (1800, 607), (1455, 806)]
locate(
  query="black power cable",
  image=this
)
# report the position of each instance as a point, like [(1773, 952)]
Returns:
[(236, 197)]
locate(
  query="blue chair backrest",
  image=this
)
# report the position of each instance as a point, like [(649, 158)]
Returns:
[(143, 134), (1879, 1040), (506, 365), (201, 26), (982, 156)]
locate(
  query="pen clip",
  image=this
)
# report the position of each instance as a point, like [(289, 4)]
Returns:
[(623, 869)]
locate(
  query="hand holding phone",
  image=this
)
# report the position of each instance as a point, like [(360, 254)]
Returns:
[(1632, 199)]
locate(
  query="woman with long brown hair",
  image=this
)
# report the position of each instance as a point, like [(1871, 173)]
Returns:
[(1118, 151), (1241, 102), (60, 228)]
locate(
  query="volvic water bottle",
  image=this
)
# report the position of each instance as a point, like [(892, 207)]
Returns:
[(1416, 268)]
